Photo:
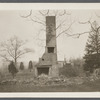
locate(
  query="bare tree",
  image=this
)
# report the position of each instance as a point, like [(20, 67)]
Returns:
[(64, 23), (13, 49), (61, 19)]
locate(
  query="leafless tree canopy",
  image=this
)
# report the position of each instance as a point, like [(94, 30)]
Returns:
[(13, 49), (60, 21), (64, 23)]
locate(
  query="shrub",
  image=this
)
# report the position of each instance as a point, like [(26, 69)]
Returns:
[(21, 66), (71, 71), (68, 72), (12, 69), (30, 67)]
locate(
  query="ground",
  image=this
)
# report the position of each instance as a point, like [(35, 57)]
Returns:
[(89, 87), (25, 82)]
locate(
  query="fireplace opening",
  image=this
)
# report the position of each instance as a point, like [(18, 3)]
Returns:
[(43, 70), (50, 49), (42, 59)]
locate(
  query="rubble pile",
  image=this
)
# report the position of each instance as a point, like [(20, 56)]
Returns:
[(44, 80), (92, 78), (10, 81)]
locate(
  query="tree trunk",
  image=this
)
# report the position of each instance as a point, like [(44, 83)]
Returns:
[(15, 62)]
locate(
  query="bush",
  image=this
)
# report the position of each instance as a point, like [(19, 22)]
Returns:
[(12, 69), (71, 71), (21, 66), (30, 67), (68, 72)]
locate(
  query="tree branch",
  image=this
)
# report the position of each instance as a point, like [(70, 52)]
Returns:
[(78, 34), (27, 15), (59, 25), (22, 53), (64, 12), (37, 21), (97, 15), (10, 54), (4, 56), (65, 30), (43, 13), (91, 26)]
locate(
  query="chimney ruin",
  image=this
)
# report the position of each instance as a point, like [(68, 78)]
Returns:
[(48, 62)]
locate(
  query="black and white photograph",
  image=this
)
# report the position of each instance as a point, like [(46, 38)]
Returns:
[(50, 50)]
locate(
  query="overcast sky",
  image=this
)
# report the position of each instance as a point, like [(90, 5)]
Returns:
[(11, 23)]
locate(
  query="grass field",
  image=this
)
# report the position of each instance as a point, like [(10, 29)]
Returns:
[(90, 86)]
